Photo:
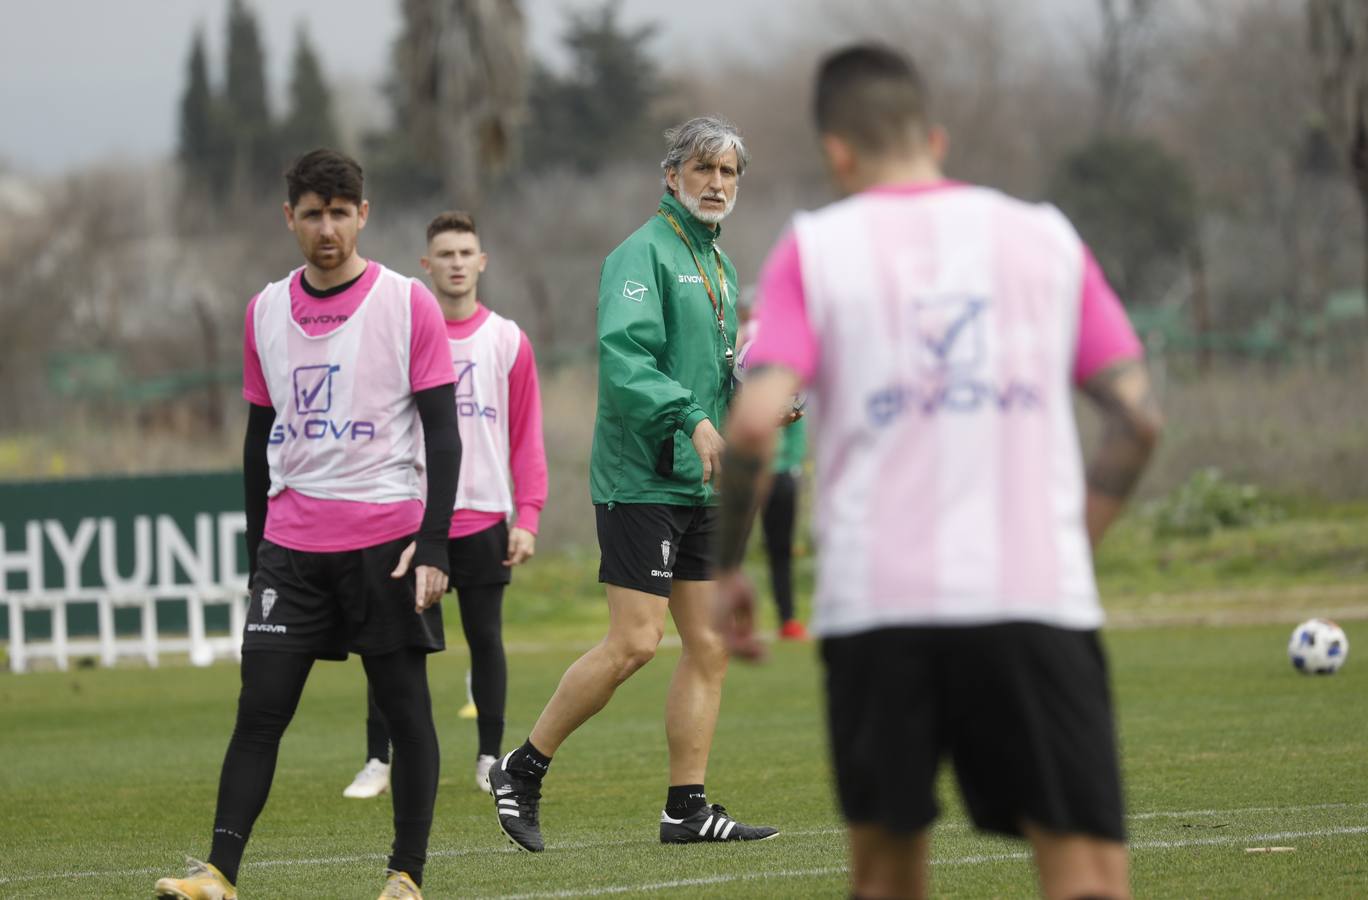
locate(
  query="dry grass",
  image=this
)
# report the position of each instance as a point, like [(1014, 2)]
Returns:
[(1299, 432)]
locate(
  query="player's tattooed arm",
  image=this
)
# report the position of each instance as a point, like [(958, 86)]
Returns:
[(751, 430), (752, 426), (742, 472), (1132, 424)]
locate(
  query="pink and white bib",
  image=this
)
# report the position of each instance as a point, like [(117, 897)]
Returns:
[(346, 424), (483, 361), (939, 328)]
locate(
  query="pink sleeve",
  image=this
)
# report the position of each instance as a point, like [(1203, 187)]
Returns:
[(254, 388), (429, 353), (785, 336), (1105, 335), (527, 451)]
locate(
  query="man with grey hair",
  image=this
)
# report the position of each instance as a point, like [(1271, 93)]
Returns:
[(666, 336)]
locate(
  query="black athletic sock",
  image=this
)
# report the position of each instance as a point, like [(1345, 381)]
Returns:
[(777, 525), (401, 691), (377, 732), (271, 685), (490, 735), (482, 622), (684, 799), (528, 760), (225, 854)]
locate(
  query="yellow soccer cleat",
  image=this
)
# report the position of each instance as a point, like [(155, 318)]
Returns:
[(202, 882), (399, 886), (469, 711)]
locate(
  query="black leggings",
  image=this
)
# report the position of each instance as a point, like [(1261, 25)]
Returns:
[(271, 687), (777, 523), (482, 622)]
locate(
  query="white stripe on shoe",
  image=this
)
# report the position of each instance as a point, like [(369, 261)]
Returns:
[(706, 825), (728, 830)]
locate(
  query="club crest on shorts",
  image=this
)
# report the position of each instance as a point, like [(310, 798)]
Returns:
[(268, 599), (665, 554)]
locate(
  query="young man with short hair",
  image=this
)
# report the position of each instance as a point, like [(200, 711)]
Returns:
[(940, 327), (498, 405), (667, 333), (349, 380)]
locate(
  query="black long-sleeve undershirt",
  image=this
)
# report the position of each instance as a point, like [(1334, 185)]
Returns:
[(442, 440), (256, 477)]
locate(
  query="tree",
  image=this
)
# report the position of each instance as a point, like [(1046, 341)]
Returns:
[(256, 162), (201, 151), (1339, 44), (1136, 206), (459, 93), (1121, 61), (309, 123), (602, 109)]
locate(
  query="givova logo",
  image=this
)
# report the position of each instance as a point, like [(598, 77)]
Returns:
[(950, 341), (313, 397), (467, 403), (664, 571), (268, 601), (950, 332), (313, 388)]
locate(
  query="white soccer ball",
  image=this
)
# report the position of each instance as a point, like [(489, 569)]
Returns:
[(201, 655), (1318, 647)]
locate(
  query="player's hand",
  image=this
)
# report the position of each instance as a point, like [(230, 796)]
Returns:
[(734, 616), (522, 546), (429, 582), (708, 444)]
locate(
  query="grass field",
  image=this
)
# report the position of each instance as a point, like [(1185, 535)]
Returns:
[(108, 777)]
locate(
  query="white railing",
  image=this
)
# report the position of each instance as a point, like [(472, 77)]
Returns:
[(108, 646)]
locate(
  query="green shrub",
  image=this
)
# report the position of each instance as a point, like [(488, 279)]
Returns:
[(1207, 502)]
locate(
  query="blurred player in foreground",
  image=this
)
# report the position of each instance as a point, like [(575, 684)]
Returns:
[(498, 404), (939, 327), (343, 361)]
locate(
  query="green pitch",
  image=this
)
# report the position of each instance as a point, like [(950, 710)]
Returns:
[(108, 778)]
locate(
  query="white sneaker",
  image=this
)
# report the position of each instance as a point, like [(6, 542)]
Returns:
[(482, 766), (371, 781)]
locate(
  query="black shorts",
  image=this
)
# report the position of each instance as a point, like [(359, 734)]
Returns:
[(1023, 710), (477, 560), (325, 605), (649, 546)]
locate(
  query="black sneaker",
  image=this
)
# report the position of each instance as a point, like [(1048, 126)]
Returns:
[(517, 798), (710, 823)]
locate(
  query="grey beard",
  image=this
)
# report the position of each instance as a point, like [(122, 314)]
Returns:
[(693, 204)]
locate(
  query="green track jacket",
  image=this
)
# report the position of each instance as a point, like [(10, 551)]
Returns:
[(662, 367)]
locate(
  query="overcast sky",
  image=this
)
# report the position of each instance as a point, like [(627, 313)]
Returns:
[(85, 80)]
